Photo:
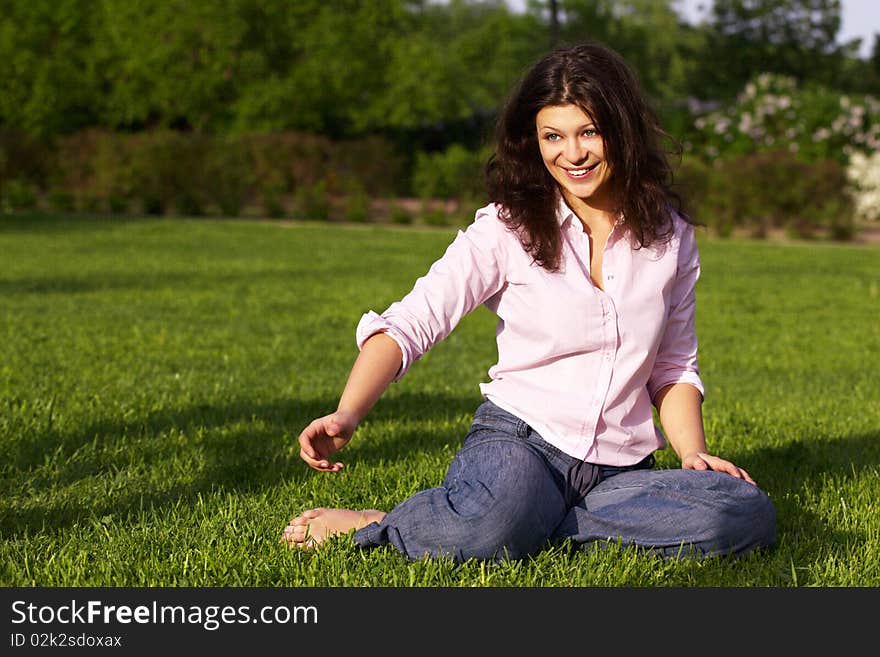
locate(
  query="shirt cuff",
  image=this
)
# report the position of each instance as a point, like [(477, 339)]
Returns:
[(689, 377), (372, 323)]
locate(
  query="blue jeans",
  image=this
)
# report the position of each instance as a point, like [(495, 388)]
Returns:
[(508, 493)]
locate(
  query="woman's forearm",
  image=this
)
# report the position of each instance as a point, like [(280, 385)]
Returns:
[(375, 368), (680, 409)]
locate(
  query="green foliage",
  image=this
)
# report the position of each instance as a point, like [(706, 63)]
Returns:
[(53, 70), (433, 213), (62, 202), (167, 172), (23, 157), (768, 190), (353, 67), (18, 195), (796, 38), (185, 77), (453, 65), (229, 175), (397, 214), (453, 173), (155, 375), (312, 201), (194, 173), (357, 204), (273, 206), (201, 107), (649, 34)]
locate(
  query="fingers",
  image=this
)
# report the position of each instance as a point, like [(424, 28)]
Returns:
[(709, 462), (733, 470), (321, 438), (308, 437), (745, 475), (317, 444), (321, 464)]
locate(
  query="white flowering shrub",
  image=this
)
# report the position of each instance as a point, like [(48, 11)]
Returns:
[(863, 173), (773, 113)]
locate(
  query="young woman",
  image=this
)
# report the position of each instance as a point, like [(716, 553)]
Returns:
[(590, 267)]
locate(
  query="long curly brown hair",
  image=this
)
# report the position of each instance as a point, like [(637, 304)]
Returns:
[(599, 81)]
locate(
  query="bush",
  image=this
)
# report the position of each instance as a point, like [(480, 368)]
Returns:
[(313, 202), (766, 190), (397, 214), (62, 201), (776, 113), (453, 173), (357, 204), (705, 199), (863, 174), (117, 204), (369, 163), (272, 204), (168, 171), (18, 195), (25, 159), (194, 173), (94, 167), (434, 214), (229, 175)]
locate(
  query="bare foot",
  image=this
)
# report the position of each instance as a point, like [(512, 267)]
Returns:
[(316, 525)]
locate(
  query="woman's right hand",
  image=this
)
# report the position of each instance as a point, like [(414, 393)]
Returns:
[(323, 437)]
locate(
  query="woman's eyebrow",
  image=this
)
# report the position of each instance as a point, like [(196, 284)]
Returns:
[(591, 124)]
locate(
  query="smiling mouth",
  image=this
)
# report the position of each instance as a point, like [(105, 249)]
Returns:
[(583, 172)]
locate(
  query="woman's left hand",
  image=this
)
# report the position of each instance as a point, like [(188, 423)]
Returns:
[(703, 461)]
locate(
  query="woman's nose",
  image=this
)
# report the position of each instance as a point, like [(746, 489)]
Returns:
[(575, 151)]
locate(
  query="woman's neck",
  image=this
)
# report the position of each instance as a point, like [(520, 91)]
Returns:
[(595, 217)]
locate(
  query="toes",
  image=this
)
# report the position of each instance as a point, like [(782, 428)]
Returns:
[(298, 535), (305, 517)]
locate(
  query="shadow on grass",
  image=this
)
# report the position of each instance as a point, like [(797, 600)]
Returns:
[(44, 222), (243, 446), (106, 281), (787, 471)]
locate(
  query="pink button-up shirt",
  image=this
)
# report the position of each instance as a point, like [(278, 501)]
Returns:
[(578, 364)]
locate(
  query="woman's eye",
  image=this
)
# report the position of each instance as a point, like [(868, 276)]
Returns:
[(590, 133)]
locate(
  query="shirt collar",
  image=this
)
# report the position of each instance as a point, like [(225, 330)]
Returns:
[(564, 214)]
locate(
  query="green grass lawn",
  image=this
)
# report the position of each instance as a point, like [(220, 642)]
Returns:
[(154, 375)]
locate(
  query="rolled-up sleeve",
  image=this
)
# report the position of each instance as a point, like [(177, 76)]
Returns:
[(468, 273), (676, 360)]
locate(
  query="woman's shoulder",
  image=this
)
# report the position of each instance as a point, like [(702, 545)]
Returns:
[(681, 235), (491, 213), (674, 241), (490, 234), (681, 225), (490, 220), (684, 240)]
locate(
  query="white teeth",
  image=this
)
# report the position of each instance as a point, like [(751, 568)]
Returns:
[(577, 173)]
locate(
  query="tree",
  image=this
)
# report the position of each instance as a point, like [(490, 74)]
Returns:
[(52, 75), (170, 63), (450, 72), (789, 37)]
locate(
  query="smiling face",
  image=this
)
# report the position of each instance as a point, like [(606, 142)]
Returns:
[(574, 153)]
